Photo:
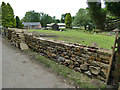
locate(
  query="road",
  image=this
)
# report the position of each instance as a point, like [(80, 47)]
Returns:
[(18, 71)]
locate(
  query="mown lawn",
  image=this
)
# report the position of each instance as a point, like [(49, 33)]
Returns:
[(77, 36)]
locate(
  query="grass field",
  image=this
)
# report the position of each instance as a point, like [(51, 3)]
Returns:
[(77, 36)]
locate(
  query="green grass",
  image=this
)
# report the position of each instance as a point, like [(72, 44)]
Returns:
[(74, 77), (77, 36)]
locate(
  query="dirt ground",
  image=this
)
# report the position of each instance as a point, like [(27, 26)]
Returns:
[(18, 71)]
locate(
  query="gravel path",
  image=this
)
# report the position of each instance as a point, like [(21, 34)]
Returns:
[(18, 71)]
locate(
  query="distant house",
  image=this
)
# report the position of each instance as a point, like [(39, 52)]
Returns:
[(61, 25), (55, 26), (52, 26), (32, 25)]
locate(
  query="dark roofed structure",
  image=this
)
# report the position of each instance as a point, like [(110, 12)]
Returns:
[(32, 25)]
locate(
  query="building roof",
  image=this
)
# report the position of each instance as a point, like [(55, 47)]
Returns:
[(116, 30), (50, 24), (61, 24), (31, 23)]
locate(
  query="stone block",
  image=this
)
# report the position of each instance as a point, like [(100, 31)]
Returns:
[(83, 67), (94, 70)]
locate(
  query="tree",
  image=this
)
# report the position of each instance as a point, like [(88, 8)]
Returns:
[(57, 21), (68, 20), (82, 18), (46, 19), (0, 17), (63, 18), (18, 23), (7, 15), (113, 7), (31, 16), (98, 15)]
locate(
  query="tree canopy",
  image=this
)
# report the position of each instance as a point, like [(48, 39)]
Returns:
[(8, 19), (113, 7), (31, 16), (18, 23), (63, 18), (46, 19), (68, 20), (82, 18), (98, 15)]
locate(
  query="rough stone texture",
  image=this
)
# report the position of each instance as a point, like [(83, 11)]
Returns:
[(23, 46), (83, 67), (94, 70), (87, 59), (88, 73), (77, 69)]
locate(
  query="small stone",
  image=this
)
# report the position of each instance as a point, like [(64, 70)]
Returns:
[(77, 69), (76, 63), (104, 72), (23, 46), (88, 73), (74, 59), (61, 59), (83, 67), (71, 66), (53, 55), (67, 57), (94, 70), (69, 61)]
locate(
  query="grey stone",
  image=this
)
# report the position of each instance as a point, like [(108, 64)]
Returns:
[(69, 61), (88, 73), (94, 70), (23, 46), (61, 59), (77, 69), (83, 67)]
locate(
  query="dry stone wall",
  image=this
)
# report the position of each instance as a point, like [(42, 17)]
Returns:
[(88, 60)]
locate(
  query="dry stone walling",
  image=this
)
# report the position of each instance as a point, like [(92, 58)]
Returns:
[(88, 60)]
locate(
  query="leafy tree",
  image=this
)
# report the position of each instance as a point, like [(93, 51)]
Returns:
[(57, 21), (0, 17), (82, 18), (113, 7), (68, 20), (18, 23), (63, 18), (46, 19), (31, 16), (98, 15), (7, 15)]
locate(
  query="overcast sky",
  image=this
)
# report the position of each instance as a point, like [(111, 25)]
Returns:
[(51, 7)]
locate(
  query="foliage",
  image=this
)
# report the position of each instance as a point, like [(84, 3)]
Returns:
[(113, 7), (31, 16), (7, 15), (46, 19), (0, 17), (18, 23), (82, 18), (57, 21), (68, 20), (98, 15), (63, 18)]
